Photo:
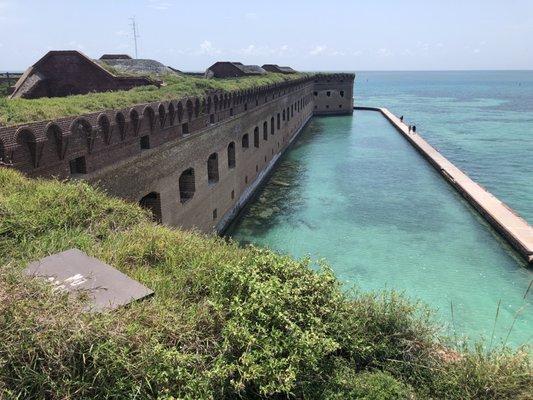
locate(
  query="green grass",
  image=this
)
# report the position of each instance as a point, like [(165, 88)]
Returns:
[(225, 322), (18, 111)]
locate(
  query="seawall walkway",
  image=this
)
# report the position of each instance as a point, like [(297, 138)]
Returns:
[(502, 218)]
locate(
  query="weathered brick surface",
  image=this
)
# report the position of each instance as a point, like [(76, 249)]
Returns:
[(333, 94), (115, 161)]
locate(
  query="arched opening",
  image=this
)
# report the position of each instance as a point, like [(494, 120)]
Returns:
[(272, 125), (196, 107), (265, 131), (212, 169), (162, 115), (171, 113), (105, 128), (121, 124), (134, 118), (180, 111), (256, 137), (284, 115), (279, 122), (245, 141), (186, 185), (190, 110), (152, 203), (231, 155), (55, 136), (149, 117)]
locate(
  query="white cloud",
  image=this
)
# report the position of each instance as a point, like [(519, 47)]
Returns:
[(76, 45), (317, 50), (253, 50), (206, 47), (122, 33), (159, 5), (251, 16), (357, 52), (384, 52), (477, 51)]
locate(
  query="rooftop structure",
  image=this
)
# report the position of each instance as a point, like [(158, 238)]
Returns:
[(124, 64), (115, 57), (66, 72), (278, 69), (233, 69)]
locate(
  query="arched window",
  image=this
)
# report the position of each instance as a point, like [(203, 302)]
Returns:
[(342, 93), (279, 122), (245, 141), (186, 185), (212, 169), (152, 203), (231, 155), (256, 137), (283, 114), (272, 125), (265, 131)]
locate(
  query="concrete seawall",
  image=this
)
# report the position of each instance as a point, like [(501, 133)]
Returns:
[(511, 226)]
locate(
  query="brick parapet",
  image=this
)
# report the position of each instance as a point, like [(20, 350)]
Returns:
[(46, 148)]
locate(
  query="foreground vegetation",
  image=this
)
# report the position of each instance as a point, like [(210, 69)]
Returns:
[(225, 321), (17, 111)]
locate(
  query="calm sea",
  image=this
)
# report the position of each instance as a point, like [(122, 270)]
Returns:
[(352, 191)]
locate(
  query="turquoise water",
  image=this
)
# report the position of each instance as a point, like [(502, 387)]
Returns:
[(481, 120), (353, 191)]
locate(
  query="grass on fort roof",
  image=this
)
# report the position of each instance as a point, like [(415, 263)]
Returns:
[(19, 111), (226, 322)]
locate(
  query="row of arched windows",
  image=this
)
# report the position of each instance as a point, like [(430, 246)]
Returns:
[(187, 178), (187, 185)]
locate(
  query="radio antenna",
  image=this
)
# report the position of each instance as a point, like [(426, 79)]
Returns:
[(135, 34)]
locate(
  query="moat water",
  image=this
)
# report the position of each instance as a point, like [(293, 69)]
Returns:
[(352, 191)]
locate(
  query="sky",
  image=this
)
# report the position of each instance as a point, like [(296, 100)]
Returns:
[(309, 35)]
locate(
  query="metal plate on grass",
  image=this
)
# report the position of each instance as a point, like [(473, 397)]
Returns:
[(75, 272)]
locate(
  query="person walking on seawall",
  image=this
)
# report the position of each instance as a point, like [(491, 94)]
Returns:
[(414, 128), (401, 118), (409, 128)]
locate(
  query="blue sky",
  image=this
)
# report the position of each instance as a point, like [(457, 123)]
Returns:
[(308, 35)]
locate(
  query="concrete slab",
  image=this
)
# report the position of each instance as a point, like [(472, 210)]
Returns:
[(506, 221), (74, 271)]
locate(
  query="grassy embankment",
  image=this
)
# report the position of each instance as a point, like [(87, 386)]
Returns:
[(17, 111), (224, 322)]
